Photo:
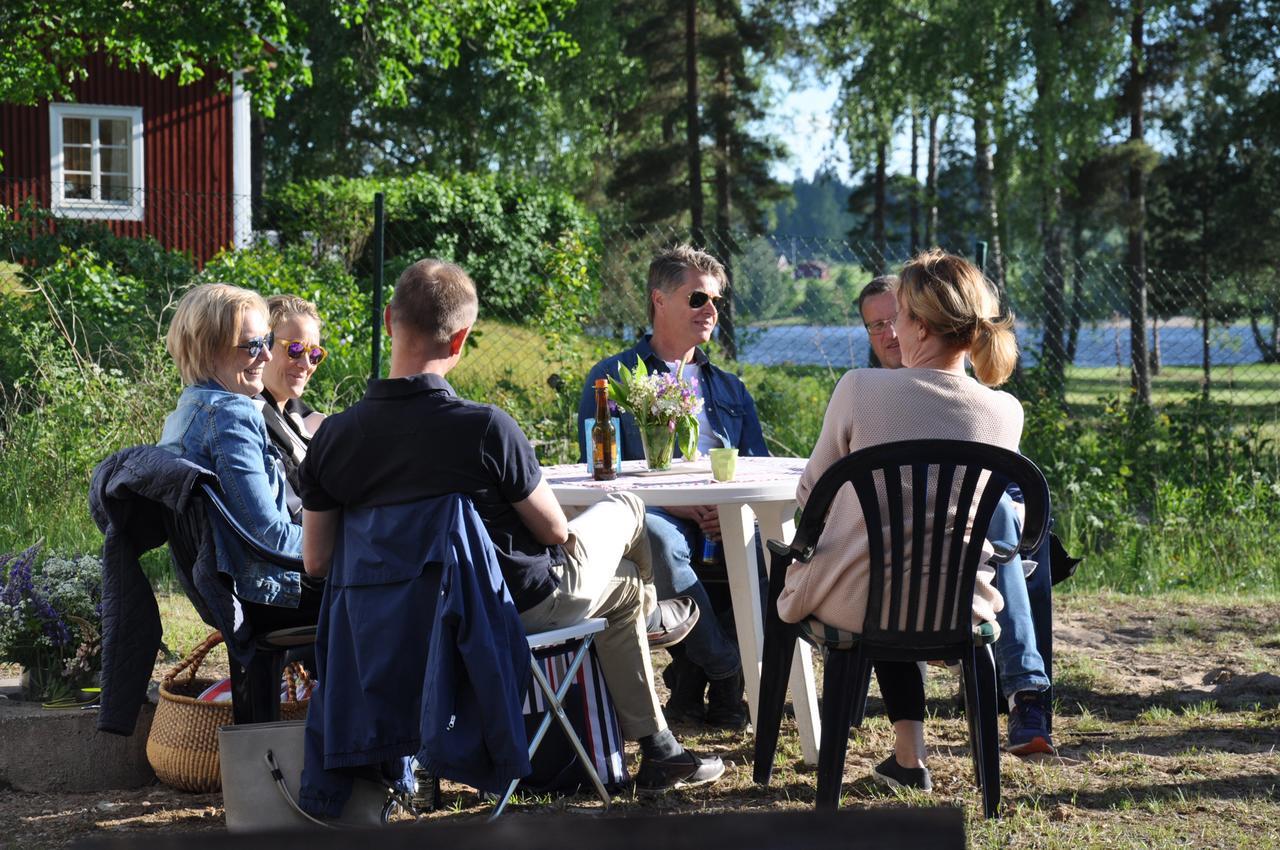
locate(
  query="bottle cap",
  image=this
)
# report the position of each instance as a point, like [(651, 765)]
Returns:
[(600, 383)]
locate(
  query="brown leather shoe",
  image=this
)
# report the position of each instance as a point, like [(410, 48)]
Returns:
[(672, 621)]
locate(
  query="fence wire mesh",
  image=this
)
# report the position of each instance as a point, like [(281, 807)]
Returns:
[(558, 293)]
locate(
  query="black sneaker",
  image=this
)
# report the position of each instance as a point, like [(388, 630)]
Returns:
[(682, 771), (725, 707), (889, 772)]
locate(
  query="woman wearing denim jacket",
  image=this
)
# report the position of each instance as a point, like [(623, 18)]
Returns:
[(220, 341)]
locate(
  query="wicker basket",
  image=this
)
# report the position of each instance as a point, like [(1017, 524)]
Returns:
[(183, 745)]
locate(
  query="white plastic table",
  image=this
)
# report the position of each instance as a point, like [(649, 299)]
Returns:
[(763, 490)]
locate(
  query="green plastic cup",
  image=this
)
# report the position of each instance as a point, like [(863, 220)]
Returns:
[(724, 463)]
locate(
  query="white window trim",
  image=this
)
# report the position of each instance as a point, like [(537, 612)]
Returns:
[(80, 208)]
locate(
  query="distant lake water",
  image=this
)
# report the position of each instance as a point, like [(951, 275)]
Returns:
[(843, 347)]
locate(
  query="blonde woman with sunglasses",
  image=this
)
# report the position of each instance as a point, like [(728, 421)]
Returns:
[(222, 343), (296, 355)]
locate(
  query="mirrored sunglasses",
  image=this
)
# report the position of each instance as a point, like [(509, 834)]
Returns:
[(296, 348), (255, 345), (698, 300)]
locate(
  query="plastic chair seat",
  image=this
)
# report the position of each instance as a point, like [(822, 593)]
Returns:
[(823, 636)]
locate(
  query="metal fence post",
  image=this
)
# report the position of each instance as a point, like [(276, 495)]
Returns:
[(980, 255), (379, 232)]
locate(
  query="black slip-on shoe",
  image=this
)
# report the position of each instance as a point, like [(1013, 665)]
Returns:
[(672, 621), (682, 771), (889, 772)]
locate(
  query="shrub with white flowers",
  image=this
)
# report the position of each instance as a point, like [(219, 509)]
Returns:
[(50, 617)]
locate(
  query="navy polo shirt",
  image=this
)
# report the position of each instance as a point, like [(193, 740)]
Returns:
[(413, 438)]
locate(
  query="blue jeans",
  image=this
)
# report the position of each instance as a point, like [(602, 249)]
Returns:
[(1018, 659), (671, 542)]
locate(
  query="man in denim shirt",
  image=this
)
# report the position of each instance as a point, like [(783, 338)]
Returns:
[(684, 292)]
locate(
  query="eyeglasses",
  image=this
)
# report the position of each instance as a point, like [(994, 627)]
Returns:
[(254, 346), (878, 327), (699, 299), (296, 348)]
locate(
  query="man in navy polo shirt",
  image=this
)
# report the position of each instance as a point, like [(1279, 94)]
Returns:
[(684, 290), (411, 437)]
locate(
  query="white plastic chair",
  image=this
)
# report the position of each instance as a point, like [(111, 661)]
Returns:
[(585, 633)]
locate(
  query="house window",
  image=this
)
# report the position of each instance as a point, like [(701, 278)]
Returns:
[(96, 161)]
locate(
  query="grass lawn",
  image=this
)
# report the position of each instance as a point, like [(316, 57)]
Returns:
[(1167, 725), (1253, 390)]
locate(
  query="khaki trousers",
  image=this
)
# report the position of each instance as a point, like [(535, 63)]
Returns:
[(607, 555)]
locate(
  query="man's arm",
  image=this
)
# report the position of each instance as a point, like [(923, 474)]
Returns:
[(319, 531), (541, 514)]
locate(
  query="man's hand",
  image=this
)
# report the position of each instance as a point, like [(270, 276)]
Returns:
[(706, 516)]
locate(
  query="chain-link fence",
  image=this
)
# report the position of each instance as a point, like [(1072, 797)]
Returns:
[(559, 291)]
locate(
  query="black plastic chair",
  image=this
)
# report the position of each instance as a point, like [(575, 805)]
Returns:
[(928, 614), (255, 687)]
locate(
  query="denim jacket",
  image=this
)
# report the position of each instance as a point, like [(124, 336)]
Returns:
[(224, 432), (730, 408)]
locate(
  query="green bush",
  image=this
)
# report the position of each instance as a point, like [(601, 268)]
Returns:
[(35, 237), (510, 234)]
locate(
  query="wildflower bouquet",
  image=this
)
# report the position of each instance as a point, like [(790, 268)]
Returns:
[(665, 407), (50, 619)]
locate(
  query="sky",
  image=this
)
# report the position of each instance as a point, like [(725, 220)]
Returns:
[(802, 118)]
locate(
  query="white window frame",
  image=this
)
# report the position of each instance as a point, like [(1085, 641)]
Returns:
[(96, 208)]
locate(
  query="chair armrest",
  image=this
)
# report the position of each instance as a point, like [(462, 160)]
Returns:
[(272, 556)]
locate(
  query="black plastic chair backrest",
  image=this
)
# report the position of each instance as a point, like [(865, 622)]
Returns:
[(929, 605)]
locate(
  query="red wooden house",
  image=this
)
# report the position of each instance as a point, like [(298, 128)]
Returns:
[(143, 154)]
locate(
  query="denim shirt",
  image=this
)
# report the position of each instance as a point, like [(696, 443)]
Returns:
[(225, 432), (730, 408)]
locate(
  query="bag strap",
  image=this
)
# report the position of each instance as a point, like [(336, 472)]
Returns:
[(278, 776)]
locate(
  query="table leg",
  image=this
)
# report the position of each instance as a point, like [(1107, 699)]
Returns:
[(737, 530), (777, 523)]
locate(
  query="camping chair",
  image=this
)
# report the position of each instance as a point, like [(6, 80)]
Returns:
[(255, 687), (928, 614), (541, 644)]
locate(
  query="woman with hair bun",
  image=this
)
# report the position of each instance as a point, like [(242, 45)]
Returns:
[(947, 312)]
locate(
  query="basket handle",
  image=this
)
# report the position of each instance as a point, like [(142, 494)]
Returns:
[(193, 661), (295, 676)]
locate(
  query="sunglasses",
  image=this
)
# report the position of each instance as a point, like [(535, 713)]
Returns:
[(257, 344), (877, 328), (698, 300), (296, 348)]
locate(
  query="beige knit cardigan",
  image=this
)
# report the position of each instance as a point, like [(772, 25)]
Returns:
[(870, 407)]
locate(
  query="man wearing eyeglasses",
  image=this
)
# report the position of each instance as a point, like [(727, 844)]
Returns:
[(685, 287), (879, 308)]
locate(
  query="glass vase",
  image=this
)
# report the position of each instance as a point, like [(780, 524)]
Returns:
[(659, 441)]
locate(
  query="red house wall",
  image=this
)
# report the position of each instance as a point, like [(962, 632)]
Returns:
[(186, 155)]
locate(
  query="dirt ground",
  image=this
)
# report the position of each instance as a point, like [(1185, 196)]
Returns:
[(1168, 721)]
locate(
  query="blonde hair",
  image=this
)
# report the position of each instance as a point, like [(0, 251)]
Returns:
[(435, 298), (207, 321), (283, 307), (958, 303), (666, 272)]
